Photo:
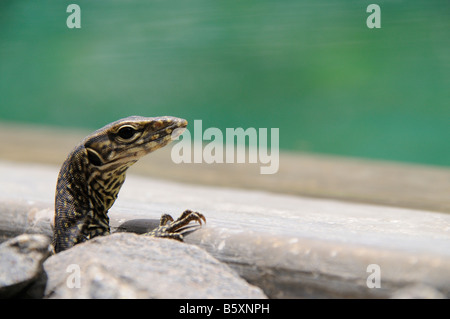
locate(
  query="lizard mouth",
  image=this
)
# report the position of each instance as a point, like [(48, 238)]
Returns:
[(172, 131), (164, 131)]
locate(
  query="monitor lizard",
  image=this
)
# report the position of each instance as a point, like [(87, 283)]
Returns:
[(93, 173)]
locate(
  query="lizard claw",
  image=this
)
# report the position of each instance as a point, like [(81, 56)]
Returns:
[(170, 228), (188, 215), (166, 218)]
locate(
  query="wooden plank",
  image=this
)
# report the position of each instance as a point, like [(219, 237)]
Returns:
[(290, 246)]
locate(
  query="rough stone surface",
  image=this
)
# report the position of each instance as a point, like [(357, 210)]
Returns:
[(130, 266), (21, 260)]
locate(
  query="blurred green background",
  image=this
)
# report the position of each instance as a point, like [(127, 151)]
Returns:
[(311, 68)]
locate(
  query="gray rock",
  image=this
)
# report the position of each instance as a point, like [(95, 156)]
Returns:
[(127, 265), (21, 260)]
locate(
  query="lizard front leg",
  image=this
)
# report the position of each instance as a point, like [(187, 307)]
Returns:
[(174, 229)]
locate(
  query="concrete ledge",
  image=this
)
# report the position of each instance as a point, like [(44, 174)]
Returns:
[(289, 246)]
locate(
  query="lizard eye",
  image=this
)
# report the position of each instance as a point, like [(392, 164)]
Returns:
[(126, 132)]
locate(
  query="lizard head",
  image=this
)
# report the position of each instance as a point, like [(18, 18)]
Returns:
[(123, 142)]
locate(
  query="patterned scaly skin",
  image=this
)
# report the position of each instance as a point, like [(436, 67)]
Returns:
[(93, 173)]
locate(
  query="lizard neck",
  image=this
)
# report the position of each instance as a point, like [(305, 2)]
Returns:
[(84, 194), (103, 187)]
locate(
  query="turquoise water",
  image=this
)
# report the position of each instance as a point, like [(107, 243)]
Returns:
[(311, 68)]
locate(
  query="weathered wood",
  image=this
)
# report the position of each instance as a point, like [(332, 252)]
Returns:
[(288, 245)]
